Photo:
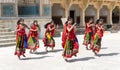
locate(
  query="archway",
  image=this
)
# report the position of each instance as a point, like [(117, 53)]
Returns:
[(74, 13), (90, 12), (57, 13), (115, 15), (104, 14)]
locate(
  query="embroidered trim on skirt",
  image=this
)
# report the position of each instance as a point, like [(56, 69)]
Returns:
[(49, 41), (20, 45), (70, 48)]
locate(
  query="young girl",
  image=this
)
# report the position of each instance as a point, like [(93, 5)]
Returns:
[(88, 34), (98, 34), (64, 35), (71, 44), (33, 41), (48, 38), (21, 39)]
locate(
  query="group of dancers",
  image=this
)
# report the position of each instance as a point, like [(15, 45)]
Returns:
[(31, 40), (70, 44), (92, 38), (23, 40), (93, 35)]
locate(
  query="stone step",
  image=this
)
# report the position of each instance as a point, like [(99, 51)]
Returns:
[(114, 31), (6, 36), (7, 44), (1, 26), (4, 29), (7, 40), (80, 31), (107, 32), (119, 31), (7, 33)]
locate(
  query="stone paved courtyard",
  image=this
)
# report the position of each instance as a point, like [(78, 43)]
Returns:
[(108, 58)]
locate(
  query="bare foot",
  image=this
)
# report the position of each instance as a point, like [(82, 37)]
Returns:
[(46, 49), (24, 55), (66, 60), (19, 57), (87, 48), (52, 49), (75, 55), (95, 53)]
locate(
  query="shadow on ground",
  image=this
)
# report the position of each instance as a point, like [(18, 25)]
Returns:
[(33, 58), (90, 58), (104, 47), (81, 59), (56, 50), (49, 51), (108, 54)]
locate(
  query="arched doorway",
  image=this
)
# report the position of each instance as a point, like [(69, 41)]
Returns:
[(57, 13), (115, 15), (90, 12), (74, 13), (104, 14)]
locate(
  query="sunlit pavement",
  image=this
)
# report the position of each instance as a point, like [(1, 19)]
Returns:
[(107, 59)]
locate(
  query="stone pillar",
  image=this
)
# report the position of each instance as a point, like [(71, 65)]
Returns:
[(119, 15), (0, 10), (97, 14), (40, 8), (82, 17), (65, 16), (109, 17), (110, 7), (16, 8), (66, 13)]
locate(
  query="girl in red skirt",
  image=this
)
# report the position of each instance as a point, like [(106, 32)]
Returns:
[(33, 41), (98, 34), (71, 43), (48, 38), (88, 33), (64, 35), (21, 39)]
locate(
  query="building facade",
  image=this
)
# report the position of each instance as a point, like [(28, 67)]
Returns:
[(24, 8), (79, 10), (82, 10)]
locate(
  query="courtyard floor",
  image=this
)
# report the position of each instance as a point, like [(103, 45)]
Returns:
[(107, 59)]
